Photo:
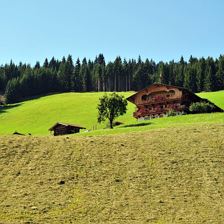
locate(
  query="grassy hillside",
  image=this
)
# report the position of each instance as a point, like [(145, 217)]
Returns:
[(170, 174), (38, 115), (162, 176)]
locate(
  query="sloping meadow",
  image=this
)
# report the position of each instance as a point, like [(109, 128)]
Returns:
[(36, 116), (169, 175)]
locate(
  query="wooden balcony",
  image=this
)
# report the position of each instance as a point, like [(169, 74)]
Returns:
[(161, 101)]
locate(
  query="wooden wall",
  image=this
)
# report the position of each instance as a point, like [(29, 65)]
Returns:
[(165, 93)]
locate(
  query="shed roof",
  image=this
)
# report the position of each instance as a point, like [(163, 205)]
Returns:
[(66, 125)]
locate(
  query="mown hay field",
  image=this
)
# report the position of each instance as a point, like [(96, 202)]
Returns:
[(169, 175)]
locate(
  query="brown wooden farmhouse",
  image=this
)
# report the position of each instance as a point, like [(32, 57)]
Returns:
[(157, 99), (65, 129)]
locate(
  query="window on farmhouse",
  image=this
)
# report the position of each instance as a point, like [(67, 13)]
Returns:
[(144, 97), (171, 92)]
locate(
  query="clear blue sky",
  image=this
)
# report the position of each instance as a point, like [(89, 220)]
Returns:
[(32, 30)]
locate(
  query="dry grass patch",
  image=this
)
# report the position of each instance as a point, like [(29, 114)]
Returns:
[(160, 176)]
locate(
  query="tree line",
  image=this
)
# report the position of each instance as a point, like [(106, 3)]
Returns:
[(23, 81)]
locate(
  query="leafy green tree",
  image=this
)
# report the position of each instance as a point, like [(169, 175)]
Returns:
[(110, 107)]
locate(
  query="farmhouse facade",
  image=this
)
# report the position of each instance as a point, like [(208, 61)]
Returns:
[(158, 99), (65, 129)]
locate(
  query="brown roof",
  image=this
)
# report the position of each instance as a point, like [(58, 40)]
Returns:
[(65, 124)]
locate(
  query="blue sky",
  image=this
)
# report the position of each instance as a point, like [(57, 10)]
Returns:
[(32, 30)]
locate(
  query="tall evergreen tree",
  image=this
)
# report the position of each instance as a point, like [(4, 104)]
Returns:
[(220, 73), (179, 79), (190, 78), (210, 73), (85, 76), (46, 64), (163, 73), (200, 73), (118, 70), (77, 84)]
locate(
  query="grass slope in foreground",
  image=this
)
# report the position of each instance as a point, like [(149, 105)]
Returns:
[(38, 115), (162, 176)]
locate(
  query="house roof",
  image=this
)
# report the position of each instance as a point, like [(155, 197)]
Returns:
[(66, 125)]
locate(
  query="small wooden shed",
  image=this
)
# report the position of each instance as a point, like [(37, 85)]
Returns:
[(65, 129)]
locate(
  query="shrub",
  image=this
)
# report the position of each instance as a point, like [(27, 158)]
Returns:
[(172, 112), (201, 107)]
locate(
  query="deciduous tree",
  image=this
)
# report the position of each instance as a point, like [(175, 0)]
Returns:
[(110, 107)]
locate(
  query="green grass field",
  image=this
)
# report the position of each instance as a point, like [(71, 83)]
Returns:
[(38, 115)]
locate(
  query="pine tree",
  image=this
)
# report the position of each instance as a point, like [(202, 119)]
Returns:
[(163, 73), (220, 73), (12, 92), (179, 80), (200, 73), (2, 80), (85, 76), (76, 78), (118, 70), (190, 78), (110, 76), (37, 65), (46, 64), (210, 73)]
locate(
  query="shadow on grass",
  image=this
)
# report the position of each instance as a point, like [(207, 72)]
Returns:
[(135, 125), (40, 96), (5, 108), (35, 97)]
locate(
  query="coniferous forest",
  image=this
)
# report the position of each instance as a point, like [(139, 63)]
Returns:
[(21, 81)]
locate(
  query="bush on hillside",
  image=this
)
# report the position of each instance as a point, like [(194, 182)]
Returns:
[(201, 107), (172, 113)]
